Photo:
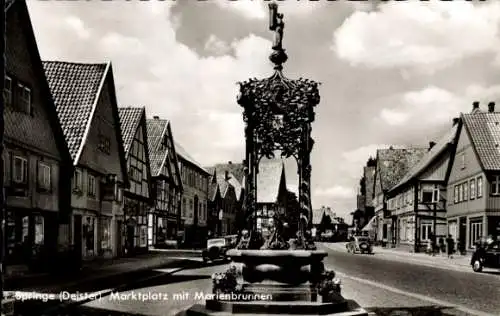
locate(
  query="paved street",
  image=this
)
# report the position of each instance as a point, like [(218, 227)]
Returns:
[(376, 282)]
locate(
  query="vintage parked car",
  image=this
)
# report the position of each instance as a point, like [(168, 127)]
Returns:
[(361, 244), (327, 235), (216, 249), (486, 255)]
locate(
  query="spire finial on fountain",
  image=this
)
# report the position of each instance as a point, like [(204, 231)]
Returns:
[(278, 57)]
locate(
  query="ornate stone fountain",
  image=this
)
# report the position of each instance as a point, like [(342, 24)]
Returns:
[(277, 276)]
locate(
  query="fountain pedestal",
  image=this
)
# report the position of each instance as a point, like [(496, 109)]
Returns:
[(277, 282)]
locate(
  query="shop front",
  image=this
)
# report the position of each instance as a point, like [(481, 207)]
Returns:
[(494, 226), (166, 231), (31, 238), (136, 226), (105, 245)]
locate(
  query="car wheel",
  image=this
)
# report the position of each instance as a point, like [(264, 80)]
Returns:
[(477, 266)]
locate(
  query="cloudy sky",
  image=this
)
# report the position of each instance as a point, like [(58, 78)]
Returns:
[(391, 73)]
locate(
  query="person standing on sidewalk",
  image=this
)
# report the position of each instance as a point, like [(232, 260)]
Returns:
[(450, 243)]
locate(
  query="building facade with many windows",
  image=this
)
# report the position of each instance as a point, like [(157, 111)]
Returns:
[(194, 212), (137, 199), (392, 165), (473, 187), (418, 201), (36, 162), (84, 95)]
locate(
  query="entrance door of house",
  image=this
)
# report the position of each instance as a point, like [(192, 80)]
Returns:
[(119, 232), (77, 234), (195, 234), (130, 237), (462, 230)]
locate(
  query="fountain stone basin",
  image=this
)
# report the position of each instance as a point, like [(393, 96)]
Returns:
[(293, 267)]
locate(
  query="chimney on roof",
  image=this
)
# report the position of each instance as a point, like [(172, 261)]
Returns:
[(226, 175), (156, 117), (491, 107), (455, 121), (475, 105), (431, 144)]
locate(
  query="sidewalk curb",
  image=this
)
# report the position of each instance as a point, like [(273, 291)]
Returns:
[(391, 256), (121, 287)]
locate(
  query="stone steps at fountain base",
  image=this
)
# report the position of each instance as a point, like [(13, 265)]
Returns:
[(244, 308)]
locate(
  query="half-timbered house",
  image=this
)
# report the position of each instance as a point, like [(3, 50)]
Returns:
[(164, 220), (418, 201), (137, 199), (392, 166)]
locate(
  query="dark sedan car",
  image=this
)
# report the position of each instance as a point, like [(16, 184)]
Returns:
[(486, 256)]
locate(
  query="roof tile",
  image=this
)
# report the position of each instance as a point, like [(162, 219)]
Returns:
[(393, 164), (156, 129), (430, 156), (75, 88), (130, 119), (484, 130)]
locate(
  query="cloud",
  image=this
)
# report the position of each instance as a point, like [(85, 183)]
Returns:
[(354, 160), (77, 25), (256, 9), (248, 8), (216, 46), (417, 35), (434, 106), (336, 191), (156, 70)]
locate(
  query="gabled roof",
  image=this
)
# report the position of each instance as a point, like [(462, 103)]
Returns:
[(483, 129), (394, 163), (430, 157), (369, 175), (37, 68), (130, 119), (223, 185), (213, 189), (237, 169), (235, 180), (76, 88), (157, 128), (317, 216), (269, 180), (181, 152)]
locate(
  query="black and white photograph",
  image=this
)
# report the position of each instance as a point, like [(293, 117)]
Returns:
[(250, 157)]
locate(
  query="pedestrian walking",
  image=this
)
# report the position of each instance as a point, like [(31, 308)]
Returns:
[(450, 243), (442, 246)]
